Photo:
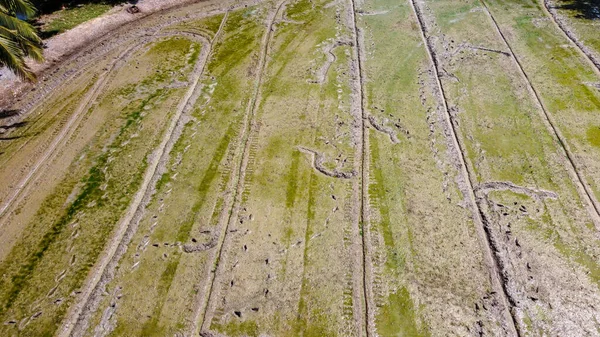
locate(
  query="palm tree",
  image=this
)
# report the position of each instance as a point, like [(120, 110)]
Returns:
[(18, 39)]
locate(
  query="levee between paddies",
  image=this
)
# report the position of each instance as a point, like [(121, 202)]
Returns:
[(310, 168)]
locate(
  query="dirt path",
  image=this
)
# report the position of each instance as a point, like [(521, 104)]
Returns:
[(159, 157), (585, 191), (483, 232), (205, 312)]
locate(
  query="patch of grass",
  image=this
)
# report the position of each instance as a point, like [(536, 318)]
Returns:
[(397, 317), (446, 18), (547, 228), (213, 23), (314, 325), (378, 194), (301, 321), (545, 46), (593, 136), (66, 19), (197, 184), (299, 8), (246, 328), (240, 43), (292, 179)]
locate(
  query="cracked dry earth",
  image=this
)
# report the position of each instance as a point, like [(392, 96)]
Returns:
[(310, 168)]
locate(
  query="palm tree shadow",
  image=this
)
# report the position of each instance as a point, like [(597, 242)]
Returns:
[(10, 138), (582, 9), (9, 113), (5, 128)]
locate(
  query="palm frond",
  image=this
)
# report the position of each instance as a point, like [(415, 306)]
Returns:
[(31, 49), (23, 8), (11, 56), (18, 39), (7, 33), (23, 28)]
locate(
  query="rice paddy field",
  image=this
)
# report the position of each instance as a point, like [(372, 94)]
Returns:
[(311, 168)]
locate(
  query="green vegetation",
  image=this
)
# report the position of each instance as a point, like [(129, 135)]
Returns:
[(378, 195), (150, 328), (397, 318), (239, 329), (593, 136), (68, 18), (86, 222)]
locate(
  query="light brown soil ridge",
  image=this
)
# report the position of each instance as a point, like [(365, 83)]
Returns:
[(534, 193), (318, 160), (328, 50), (384, 129)]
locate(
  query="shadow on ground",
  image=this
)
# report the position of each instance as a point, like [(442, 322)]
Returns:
[(17, 125), (9, 113), (49, 6), (582, 9), (52, 6)]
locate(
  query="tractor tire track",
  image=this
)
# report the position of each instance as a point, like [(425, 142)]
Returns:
[(66, 131), (77, 318), (362, 243), (201, 299), (585, 192), (483, 231), (205, 312), (560, 24)]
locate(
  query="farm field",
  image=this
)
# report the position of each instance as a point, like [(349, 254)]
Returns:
[(311, 168)]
